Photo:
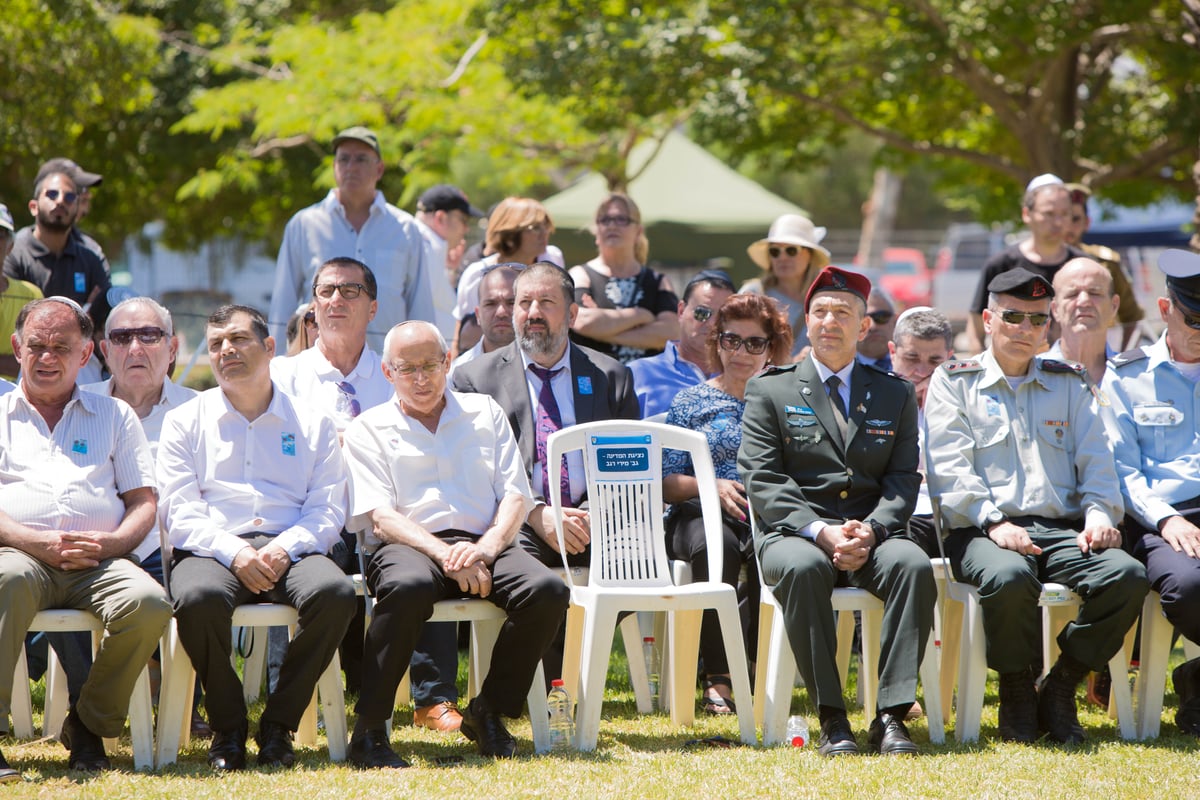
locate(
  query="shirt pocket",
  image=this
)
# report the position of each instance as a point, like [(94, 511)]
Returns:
[(994, 451), (1056, 451), (1160, 429)]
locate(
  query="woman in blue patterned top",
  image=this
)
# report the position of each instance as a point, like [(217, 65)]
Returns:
[(751, 331)]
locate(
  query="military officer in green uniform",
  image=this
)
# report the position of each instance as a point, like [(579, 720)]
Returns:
[(829, 461), (1018, 456)]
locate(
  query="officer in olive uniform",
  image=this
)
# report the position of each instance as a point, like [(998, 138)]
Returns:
[(1156, 438), (829, 461), (1020, 460)]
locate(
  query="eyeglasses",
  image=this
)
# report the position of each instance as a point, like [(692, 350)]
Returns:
[(755, 345), (881, 317), (349, 291), (1036, 318), (347, 401), (1188, 319), (310, 318), (68, 197), (428, 369), (702, 313), (615, 222), (360, 160), (776, 252), (123, 337)]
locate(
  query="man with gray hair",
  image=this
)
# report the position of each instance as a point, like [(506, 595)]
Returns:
[(923, 339), (1085, 307)]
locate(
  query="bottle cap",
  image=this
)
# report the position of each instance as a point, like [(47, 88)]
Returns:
[(647, 639), (557, 682)]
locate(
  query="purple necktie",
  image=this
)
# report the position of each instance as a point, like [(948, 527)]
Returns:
[(549, 420)]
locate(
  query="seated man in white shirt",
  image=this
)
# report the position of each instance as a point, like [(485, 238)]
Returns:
[(253, 490), (77, 495), (438, 480)]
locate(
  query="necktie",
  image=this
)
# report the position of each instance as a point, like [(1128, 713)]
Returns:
[(835, 399), (549, 420)]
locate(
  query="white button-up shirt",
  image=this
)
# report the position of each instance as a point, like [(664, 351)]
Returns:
[(453, 479), (389, 243), (309, 376), (71, 478), (173, 396), (221, 476)]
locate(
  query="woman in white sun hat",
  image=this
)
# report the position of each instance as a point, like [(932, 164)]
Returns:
[(792, 256)]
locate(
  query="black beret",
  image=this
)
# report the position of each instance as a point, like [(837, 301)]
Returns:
[(1022, 284)]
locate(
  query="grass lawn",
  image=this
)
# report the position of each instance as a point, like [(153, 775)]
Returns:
[(646, 757)]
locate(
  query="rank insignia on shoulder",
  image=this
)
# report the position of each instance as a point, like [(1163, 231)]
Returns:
[(1056, 365), (1129, 356), (776, 369), (963, 367)]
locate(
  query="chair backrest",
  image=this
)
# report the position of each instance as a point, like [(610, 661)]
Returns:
[(623, 462)]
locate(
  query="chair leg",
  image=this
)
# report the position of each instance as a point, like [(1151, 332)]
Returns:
[(739, 673), (845, 644), (931, 688), (972, 674), (952, 625), (141, 722), (174, 697), (22, 704), (57, 696), (868, 668), (572, 649), (539, 712), (1120, 702), (780, 680), (639, 678), (333, 704), (1154, 655), (599, 626), (766, 614), (683, 646)]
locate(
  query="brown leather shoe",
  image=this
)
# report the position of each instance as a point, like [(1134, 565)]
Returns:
[(443, 717)]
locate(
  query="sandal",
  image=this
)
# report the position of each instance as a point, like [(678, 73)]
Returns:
[(718, 706)]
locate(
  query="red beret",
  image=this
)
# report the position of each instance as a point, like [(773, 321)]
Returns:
[(836, 279)]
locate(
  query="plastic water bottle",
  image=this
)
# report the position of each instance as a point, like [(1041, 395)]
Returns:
[(797, 731), (653, 666), (562, 722)]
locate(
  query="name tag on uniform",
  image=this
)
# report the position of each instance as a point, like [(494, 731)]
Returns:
[(799, 416), (79, 446), (584, 383), (80, 282), (288, 444), (1155, 415)]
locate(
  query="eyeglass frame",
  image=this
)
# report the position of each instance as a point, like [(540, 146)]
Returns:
[(1013, 317), (732, 342), (141, 334), (359, 289), (428, 369)]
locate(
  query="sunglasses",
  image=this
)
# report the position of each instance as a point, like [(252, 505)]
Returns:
[(1188, 319), (123, 337), (310, 318), (349, 291), (347, 400), (776, 252), (702, 313), (882, 317), (1036, 318), (68, 197), (616, 222), (755, 345)]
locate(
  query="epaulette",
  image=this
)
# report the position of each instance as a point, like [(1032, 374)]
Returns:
[(1129, 356), (879, 369), (778, 369), (962, 367), (1057, 365)]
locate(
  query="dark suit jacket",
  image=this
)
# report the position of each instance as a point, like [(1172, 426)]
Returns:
[(796, 468), (501, 374)]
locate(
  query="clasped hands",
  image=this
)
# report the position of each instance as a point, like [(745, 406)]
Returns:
[(848, 545), (470, 565), (260, 570)]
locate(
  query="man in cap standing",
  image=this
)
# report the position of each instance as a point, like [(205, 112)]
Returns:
[(14, 294), (355, 221), (1154, 431), (443, 217), (1029, 492), (829, 459)]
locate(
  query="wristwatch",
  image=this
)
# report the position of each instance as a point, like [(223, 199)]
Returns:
[(880, 532), (994, 517)]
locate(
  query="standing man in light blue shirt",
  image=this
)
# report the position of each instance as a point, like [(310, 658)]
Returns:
[(1156, 439), (683, 363), (354, 220)]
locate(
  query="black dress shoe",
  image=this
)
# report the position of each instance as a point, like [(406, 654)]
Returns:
[(836, 738), (889, 737), (1018, 707), (1186, 678), (1057, 715), (7, 773), (228, 749), (486, 729), (200, 728), (87, 749), (274, 745), (372, 750)]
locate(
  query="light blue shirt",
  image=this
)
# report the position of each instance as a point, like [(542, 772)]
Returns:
[(1154, 433), (657, 379)]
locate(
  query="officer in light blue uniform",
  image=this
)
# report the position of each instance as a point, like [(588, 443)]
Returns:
[(1156, 440)]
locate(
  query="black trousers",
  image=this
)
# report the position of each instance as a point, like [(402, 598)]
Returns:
[(205, 593), (406, 583)]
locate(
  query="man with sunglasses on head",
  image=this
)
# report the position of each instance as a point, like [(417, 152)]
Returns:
[(683, 363), (1019, 457), (49, 256), (873, 349), (829, 461), (355, 220), (1154, 431)]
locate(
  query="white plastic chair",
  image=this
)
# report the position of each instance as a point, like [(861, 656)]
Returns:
[(1059, 606), (64, 620), (777, 665), (1155, 653), (629, 566)]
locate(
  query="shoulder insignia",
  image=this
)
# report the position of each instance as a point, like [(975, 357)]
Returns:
[(1057, 365), (778, 369), (1129, 356), (880, 369), (963, 366)]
